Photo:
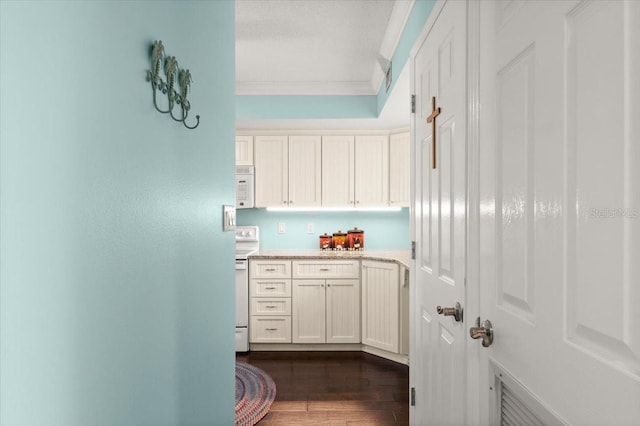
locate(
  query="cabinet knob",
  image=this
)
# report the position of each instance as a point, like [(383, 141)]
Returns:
[(290, 202)]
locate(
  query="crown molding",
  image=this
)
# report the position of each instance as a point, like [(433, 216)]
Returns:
[(397, 22), (395, 28)]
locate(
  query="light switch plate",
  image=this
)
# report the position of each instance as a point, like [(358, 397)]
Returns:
[(228, 218)]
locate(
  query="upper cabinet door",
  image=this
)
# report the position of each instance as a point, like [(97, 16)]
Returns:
[(338, 179), (304, 171), (244, 150), (371, 171), (271, 171), (399, 170)]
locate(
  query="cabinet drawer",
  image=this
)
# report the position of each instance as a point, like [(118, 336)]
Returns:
[(270, 268), (270, 329), (270, 288), (270, 306), (326, 269)]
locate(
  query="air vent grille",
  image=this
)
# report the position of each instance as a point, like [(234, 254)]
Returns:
[(513, 412)]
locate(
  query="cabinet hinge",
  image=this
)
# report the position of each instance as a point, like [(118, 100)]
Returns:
[(413, 250), (413, 397), (413, 104)]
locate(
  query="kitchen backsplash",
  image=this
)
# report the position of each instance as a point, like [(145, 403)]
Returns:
[(384, 230)]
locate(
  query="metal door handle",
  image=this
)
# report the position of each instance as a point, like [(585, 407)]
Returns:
[(455, 312), (482, 331)]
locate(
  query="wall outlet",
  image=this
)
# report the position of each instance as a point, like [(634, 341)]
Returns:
[(309, 228), (282, 229)]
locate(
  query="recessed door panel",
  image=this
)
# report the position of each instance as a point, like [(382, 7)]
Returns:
[(515, 190)]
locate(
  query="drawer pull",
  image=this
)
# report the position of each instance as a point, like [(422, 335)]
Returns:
[(270, 269), (270, 306), (271, 329), (325, 269), (269, 288)]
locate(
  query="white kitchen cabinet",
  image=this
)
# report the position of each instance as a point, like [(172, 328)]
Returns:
[(309, 311), (270, 329), (269, 269), (343, 311), (244, 150), (287, 171), (355, 171), (371, 171), (270, 301), (271, 160), (384, 325), (326, 309), (399, 170), (338, 171), (305, 171), (326, 269)]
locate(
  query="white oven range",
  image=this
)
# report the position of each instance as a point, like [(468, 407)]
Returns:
[(247, 242)]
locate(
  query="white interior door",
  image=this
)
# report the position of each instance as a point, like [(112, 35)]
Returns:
[(438, 342), (559, 211)]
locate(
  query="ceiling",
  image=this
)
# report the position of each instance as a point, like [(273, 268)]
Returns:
[(317, 47)]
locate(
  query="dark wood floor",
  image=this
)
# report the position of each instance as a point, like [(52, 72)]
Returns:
[(334, 388)]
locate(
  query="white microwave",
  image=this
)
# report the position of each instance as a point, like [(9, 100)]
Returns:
[(244, 187)]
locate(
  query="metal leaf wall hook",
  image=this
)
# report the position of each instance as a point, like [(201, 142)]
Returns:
[(172, 72)]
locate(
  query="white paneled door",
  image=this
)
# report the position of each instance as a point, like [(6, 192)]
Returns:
[(438, 340), (559, 211)]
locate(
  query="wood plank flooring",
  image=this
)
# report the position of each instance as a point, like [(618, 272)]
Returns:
[(334, 388)]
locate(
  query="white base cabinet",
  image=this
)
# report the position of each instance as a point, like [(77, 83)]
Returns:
[(270, 304), (383, 310), (326, 311), (326, 302), (316, 303)]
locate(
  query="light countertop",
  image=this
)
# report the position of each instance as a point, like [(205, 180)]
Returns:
[(402, 257)]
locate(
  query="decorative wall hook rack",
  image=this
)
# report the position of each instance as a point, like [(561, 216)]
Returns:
[(172, 72)]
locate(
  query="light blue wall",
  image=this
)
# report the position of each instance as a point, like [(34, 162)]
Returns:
[(294, 107), (383, 230), (419, 14), (116, 287)]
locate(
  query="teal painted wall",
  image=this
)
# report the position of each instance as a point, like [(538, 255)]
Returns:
[(383, 230), (419, 14), (116, 287), (294, 107)]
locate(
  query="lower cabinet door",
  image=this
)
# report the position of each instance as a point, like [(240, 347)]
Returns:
[(343, 311), (380, 301), (270, 329), (308, 314)]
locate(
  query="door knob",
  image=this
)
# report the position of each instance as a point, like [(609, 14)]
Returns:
[(482, 331), (455, 312)]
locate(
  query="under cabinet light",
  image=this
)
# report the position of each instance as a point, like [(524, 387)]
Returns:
[(334, 209)]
